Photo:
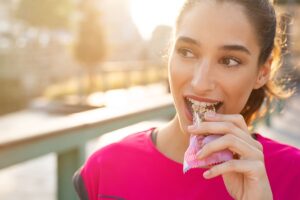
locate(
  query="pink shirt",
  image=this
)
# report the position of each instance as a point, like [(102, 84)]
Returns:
[(133, 169)]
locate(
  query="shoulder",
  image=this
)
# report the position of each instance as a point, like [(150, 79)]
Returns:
[(131, 145), (277, 151), (282, 163), (110, 159), (139, 141)]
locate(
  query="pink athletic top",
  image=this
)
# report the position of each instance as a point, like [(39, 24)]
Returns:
[(133, 169)]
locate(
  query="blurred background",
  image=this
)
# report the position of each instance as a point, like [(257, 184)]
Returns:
[(65, 50), (60, 57)]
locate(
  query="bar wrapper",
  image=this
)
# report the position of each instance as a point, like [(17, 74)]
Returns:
[(196, 144)]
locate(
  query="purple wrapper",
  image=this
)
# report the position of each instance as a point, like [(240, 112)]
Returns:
[(196, 144)]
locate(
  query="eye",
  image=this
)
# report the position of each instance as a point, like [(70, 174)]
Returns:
[(186, 53), (230, 61)]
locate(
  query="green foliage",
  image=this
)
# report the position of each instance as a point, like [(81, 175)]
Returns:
[(46, 13), (90, 47)]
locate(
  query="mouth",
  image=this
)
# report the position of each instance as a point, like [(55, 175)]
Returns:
[(202, 106)]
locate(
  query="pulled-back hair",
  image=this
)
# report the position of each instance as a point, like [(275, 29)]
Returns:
[(270, 32)]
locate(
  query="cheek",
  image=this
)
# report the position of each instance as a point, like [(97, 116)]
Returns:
[(178, 74), (241, 95), (238, 90)]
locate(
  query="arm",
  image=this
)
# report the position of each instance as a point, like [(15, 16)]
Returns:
[(79, 186)]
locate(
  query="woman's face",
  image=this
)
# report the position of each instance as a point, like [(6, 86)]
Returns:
[(214, 59)]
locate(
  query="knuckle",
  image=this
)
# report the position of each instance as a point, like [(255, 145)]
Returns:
[(210, 127), (214, 169), (229, 127), (217, 169), (231, 140), (240, 117), (259, 146), (206, 127), (261, 157), (228, 138), (241, 121), (260, 165), (231, 164)]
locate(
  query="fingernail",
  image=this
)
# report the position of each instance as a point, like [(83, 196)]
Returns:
[(210, 114), (207, 174)]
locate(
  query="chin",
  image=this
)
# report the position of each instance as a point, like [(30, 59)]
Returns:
[(183, 123)]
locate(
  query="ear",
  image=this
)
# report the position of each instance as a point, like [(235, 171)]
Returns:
[(263, 74)]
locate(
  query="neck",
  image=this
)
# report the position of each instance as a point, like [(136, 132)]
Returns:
[(172, 141)]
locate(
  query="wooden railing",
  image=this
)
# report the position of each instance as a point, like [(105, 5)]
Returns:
[(67, 137)]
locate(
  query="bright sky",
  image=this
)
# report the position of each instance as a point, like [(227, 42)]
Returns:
[(147, 14)]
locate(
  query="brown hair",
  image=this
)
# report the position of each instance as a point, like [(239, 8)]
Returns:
[(270, 37)]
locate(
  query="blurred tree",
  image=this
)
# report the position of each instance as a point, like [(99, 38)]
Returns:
[(51, 14), (90, 48), (43, 15), (13, 97)]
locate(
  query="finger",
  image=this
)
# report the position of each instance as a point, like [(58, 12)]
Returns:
[(253, 169), (234, 144), (213, 127), (236, 119), (222, 128)]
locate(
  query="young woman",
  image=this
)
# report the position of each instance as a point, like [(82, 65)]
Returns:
[(224, 52)]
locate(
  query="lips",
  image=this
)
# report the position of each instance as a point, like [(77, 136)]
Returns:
[(194, 103)]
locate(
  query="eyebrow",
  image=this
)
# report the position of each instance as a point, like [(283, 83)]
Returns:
[(234, 47), (188, 40)]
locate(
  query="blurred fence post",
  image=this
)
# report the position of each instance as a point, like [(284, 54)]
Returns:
[(68, 162)]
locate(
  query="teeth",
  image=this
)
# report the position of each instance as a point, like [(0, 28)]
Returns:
[(202, 104), (202, 107)]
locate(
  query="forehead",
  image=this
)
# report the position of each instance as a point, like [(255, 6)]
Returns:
[(218, 24)]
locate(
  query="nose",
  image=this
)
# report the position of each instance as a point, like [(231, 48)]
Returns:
[(203, 78)]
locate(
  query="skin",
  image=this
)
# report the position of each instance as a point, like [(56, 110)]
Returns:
[(215, 56)]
